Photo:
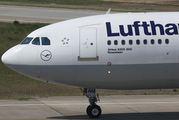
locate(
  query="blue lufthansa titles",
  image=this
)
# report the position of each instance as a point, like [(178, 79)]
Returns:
[(148, 29)]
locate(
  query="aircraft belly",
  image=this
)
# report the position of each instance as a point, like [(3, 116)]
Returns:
[(122, 77)]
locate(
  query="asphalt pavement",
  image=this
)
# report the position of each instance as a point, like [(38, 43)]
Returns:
[(127, 107), (42, 15)]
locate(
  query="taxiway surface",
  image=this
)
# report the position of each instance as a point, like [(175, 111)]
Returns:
[(40, 14), (129, 107)]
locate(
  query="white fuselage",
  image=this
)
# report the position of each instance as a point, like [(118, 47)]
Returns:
[(113, 51)]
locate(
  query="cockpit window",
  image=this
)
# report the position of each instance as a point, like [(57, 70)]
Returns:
[(45, 41), (26, 40), (36, 41)]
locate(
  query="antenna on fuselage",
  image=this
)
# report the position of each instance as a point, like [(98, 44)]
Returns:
[(109, 10)]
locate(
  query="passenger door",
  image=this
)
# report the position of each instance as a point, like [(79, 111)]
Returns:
[(88, 46)]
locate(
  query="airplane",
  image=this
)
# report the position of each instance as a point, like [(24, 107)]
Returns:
[(121, 51)]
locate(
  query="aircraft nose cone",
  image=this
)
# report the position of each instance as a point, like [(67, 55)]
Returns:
[(11, 57)]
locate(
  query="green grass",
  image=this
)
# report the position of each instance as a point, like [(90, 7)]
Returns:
[(17, 86), (94, 5)]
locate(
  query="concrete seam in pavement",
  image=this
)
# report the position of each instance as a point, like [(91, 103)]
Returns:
[(51, 108), (132, 109), (135, 111)]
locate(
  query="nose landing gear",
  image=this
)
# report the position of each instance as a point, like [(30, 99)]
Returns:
[(93, 110)]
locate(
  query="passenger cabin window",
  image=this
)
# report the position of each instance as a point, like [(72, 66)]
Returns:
[(130, 42), (27, 40), (145, 42), (36, 41), (115, 42), (137, 42), (109, 42), (159, 41), (152, 41), (167, 41), (123, 42), (45, 41)]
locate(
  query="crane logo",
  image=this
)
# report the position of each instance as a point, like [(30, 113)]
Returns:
[(46, 55)]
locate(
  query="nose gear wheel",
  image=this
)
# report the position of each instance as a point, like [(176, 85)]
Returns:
[(93, 111)]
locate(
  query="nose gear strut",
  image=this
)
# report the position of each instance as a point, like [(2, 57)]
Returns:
[(93, 110)]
